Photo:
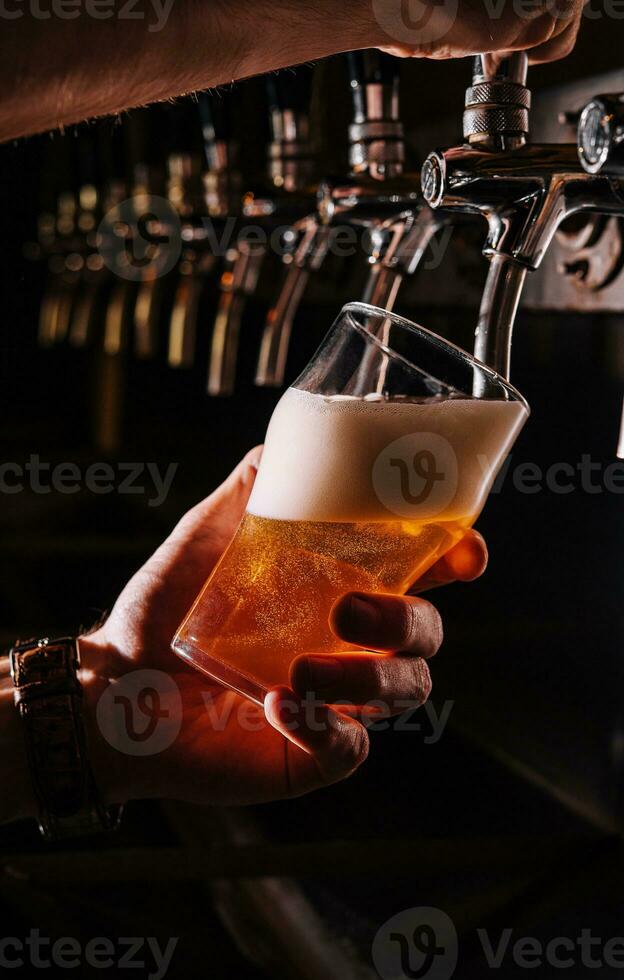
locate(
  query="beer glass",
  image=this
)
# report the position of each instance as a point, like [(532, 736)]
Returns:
[(376, 462)]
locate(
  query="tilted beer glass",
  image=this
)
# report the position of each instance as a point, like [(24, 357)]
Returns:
[(376, 462)]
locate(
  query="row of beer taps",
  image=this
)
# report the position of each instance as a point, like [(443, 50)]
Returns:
[(524, 190)]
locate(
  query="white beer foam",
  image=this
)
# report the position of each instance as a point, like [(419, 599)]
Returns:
[(339, 458)]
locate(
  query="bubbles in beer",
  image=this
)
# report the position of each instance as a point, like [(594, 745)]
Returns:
[(341, 503)]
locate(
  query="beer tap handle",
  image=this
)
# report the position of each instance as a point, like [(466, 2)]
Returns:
[(216, 177), (136, 166), (184, 317), (238, 282), (119, 314), (221, 177), (58, 234), (497, 103), (403, 244), (313, 245), (216, 119), (108, 189), (376, 148), (291, 155), (146, 318), (185, 191), (386, 274), (376, 138), (56, 309), (84, 314), (291, 164)]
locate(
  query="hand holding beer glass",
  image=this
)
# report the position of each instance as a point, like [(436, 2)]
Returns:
[(377, 460)]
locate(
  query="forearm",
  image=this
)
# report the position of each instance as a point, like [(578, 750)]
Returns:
[(58, 71)]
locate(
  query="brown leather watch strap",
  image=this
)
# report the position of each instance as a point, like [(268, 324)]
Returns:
[(48, 696)]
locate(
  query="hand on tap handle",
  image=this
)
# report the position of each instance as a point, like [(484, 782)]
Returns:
[(456, 29), (98, 69)]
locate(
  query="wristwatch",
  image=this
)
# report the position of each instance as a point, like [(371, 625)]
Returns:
[(48, 695)]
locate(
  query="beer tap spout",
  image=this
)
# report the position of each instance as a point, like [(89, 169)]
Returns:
[(287, 193), (524, 190), (314, 243), (399, 248), (376, 158), (497, 313)]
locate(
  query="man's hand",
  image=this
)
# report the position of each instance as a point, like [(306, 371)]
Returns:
[(440, 29), (236, 752), (66, 68)]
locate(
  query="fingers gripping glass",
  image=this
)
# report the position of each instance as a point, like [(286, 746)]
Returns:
[(376, 462)]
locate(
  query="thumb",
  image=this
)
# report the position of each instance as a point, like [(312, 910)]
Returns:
[(208, 528), (227, 503)]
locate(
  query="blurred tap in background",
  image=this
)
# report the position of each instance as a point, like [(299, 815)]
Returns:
[(376, 149), (271, 214), (58, 241), (172, 180), (205, 189)]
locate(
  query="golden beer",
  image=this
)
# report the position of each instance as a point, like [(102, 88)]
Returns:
[(270, 598), (352, 494)]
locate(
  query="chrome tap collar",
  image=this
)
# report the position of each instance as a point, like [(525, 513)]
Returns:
[(497, 103)]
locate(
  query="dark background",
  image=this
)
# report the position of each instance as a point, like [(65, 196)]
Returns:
[(532, 653)]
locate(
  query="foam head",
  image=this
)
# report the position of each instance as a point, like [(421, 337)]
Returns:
[(339, 458)]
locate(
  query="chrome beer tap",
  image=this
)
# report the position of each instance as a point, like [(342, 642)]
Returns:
[(290, 165), (60, 238), (97, 198), (203, 188), (524, 191), (376, 149), (185, 194), (377, 197), (398, 248), (124, 281), (126, 200)]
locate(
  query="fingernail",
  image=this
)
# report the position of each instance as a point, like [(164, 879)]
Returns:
[(323, 672), (364, 614)]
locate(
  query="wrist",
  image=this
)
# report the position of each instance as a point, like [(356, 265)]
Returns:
[(119, 775), (99, 667)]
